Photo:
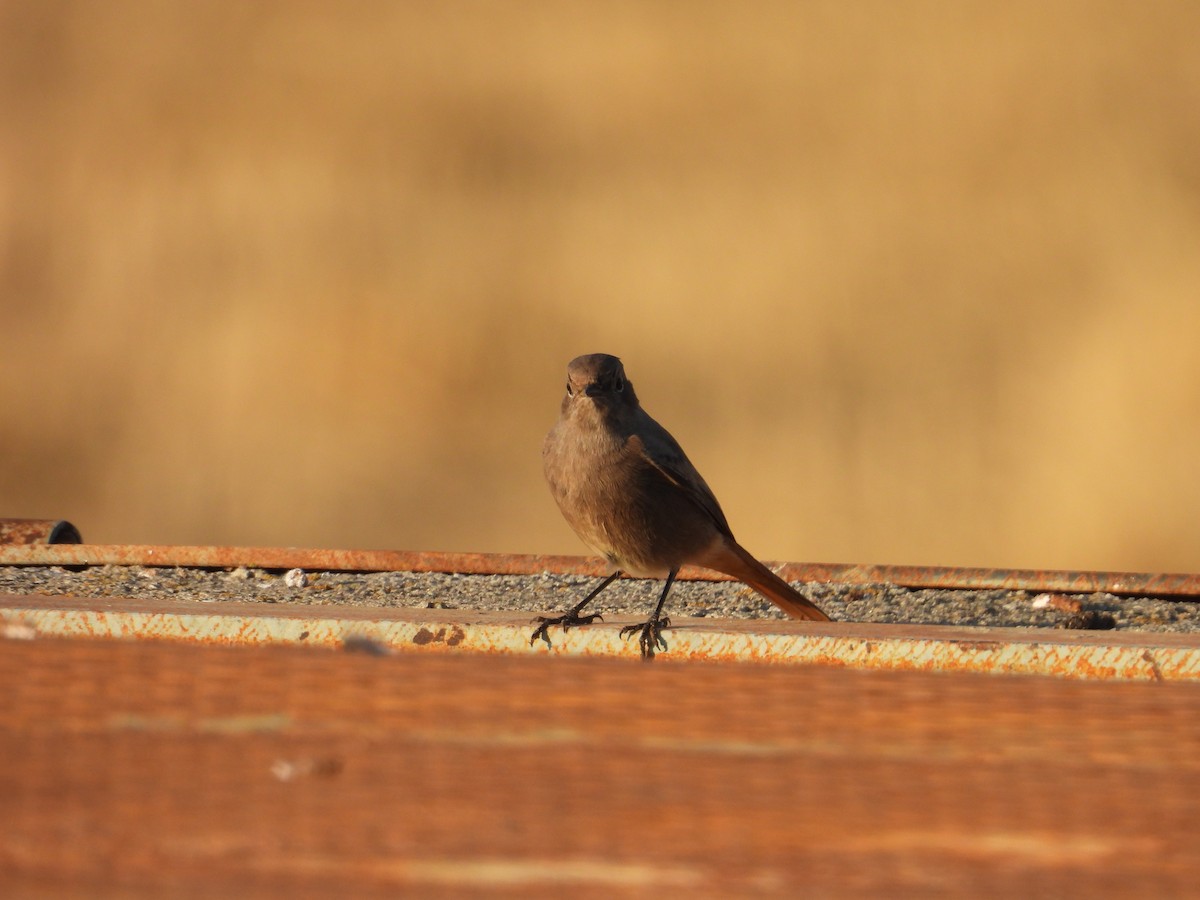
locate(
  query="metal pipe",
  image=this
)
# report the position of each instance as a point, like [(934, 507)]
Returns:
[(38, 531)]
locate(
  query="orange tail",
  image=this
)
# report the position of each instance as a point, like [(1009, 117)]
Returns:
[(733, 559)]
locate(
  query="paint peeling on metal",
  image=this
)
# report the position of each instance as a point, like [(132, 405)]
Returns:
[(927, 650)]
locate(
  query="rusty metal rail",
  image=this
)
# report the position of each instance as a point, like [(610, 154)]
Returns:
[(151, 769), (1176, 585), (1134, 656), (176, 767)]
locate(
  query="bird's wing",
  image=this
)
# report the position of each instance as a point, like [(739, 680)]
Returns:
[(654, 444)]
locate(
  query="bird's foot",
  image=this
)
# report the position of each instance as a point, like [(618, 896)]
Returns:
[(568, 620), (649, 634)]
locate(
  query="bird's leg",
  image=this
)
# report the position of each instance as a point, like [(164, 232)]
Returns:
[(571, 617), (650, 636)]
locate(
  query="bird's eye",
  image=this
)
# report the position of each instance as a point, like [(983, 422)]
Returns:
[(570, 393), (619, 384)]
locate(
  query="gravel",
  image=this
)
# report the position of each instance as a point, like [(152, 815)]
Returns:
[(545, 593)]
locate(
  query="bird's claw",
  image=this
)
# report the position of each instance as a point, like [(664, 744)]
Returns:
[(649, 633), (567, 620)]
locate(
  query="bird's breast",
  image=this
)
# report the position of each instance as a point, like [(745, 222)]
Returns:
[(593, 480)]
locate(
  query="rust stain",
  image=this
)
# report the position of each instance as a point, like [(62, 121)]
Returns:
[(1000, 783), (846, 645), (1155, 671), (451, 636)]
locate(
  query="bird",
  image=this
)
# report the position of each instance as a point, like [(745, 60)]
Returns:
[(631, 494)]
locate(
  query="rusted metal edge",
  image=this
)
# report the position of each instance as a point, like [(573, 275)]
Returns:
[(38, 531), (1143, 656), (1178, 585)]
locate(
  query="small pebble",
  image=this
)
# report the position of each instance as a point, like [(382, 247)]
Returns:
[(295, 578)]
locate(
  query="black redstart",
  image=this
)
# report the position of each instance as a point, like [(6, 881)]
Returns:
[(632, 495)]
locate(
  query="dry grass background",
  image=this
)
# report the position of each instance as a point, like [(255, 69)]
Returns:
[(912, 282)]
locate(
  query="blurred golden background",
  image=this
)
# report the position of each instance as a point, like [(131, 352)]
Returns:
[(912, 282)]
